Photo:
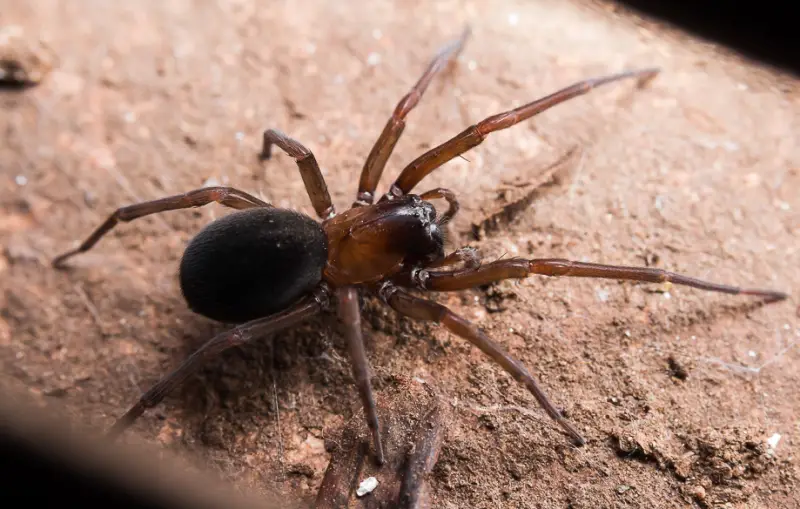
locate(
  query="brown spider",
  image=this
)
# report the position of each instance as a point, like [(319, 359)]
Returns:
[(267, 269)]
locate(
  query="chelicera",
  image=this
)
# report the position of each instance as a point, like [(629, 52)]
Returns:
[(266, 268)]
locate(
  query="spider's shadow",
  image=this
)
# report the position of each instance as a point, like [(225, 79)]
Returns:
[(240, 388)]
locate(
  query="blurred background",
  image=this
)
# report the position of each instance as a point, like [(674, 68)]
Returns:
[(682, 394)]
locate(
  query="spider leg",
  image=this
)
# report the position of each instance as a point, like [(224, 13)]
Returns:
[(308, 166), (475, 134), (376, 161), (350, 315), (444, 194), (237, 336), (226, 196), (421, 309), (520, 268)]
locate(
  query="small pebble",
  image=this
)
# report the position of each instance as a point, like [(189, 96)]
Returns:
[(367, 486), (772, 441), (698, 492)]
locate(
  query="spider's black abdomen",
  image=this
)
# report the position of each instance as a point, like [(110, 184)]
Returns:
[(252, 263)]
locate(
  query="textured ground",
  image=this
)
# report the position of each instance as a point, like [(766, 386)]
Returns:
[(677, 390)]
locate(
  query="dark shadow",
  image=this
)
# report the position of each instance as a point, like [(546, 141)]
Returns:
[(765, 31)]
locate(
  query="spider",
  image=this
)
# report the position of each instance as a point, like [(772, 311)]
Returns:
[(264, 269)]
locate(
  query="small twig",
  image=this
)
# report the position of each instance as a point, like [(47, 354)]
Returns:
[(90, 307), (740, 368), (478, 409), (576, 174)]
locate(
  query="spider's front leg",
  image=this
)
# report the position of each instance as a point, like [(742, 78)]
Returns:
[(442, 281), (350, 315), (421, 309), (376, 161), (474, 135), (309, 169)]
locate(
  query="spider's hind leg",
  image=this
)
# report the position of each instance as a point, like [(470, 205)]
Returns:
[(226, 196), (239, 335)]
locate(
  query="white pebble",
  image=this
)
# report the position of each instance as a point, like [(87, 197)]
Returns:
[(513, 19), (751, 353), (772, 441), (374, 59), (472, 65), (21, 180), (368, 485), (377, 34)]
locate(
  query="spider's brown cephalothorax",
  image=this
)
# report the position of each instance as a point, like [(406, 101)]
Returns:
[(268, 269), (369, 244)]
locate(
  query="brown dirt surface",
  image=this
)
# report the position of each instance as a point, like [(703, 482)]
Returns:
[(678, 391)]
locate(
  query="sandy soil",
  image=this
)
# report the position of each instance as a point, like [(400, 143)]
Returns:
[(677, 391)]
